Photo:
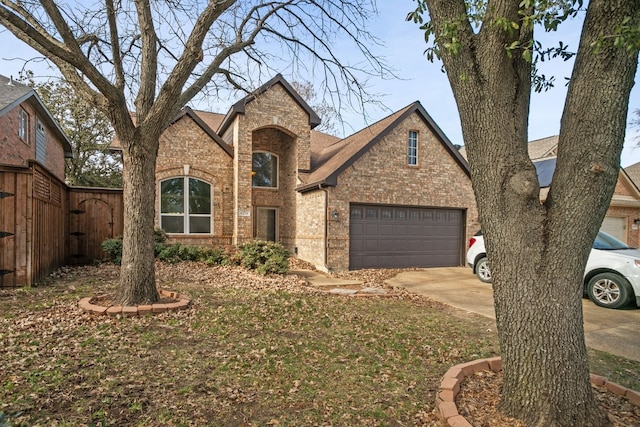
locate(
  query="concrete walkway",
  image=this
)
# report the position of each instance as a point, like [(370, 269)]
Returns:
[(319, 279), (613, 331)]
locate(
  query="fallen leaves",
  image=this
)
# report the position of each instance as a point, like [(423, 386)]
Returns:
[(250, 350)]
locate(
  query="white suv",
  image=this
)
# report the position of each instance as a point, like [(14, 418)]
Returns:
[(612, 275)]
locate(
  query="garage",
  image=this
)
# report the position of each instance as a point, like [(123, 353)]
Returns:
[(402, 236), (616, 226)]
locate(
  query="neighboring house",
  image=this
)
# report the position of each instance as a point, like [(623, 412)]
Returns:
[(623, 217), (395, 194), (28, 131), (43, 223), (32, 190)]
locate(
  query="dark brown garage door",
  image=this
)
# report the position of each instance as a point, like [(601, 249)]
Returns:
[(400, 237)]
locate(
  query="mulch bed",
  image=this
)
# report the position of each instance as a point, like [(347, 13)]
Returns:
[(479, 396)]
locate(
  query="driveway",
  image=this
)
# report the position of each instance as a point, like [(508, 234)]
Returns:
[(613, 331)]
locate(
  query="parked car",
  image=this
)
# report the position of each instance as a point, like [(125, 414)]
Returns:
[(611, 278)]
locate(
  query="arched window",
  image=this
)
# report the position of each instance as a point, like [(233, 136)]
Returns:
[(265, 170), (185, 206)]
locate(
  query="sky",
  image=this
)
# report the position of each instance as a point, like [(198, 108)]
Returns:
[(418, 79)]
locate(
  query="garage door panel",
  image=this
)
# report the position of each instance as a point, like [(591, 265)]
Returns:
[(615, 226), (399, 237)]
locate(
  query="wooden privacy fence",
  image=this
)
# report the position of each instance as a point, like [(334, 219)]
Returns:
[(44, 224), (94, 215)]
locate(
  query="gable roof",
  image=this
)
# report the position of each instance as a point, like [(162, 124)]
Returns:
[(13, 94), (543, 147), (186, 111), (240, 106), (204, 120), (330, 160)]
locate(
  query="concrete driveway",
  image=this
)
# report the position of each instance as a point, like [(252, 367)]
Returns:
[(613, 331)]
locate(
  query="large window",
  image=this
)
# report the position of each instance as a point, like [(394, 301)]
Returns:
[(23, 125), (185, 206), (265, 170), (412, 148)]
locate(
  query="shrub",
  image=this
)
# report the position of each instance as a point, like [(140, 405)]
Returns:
[(178, 252), (159, 241), (258, 255), (216, 256), (264, 257), (113, 248)]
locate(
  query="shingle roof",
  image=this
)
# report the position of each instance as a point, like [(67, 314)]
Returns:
[(213, 120), (14, 94), (332, 159), (206, 120), (544, 147), (538, 148)]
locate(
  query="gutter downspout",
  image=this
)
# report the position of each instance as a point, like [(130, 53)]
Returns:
[(326, 225)]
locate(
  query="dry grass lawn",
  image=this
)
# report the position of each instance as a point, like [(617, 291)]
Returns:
[(250, 351)]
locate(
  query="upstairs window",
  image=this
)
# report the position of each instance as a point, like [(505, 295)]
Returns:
[(265, 170), (185, 206), (23, 125), (412, 148)]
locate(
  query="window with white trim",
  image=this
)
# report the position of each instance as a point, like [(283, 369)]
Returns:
[(23, 125), (264, 172), (185, 206), (412, 148)]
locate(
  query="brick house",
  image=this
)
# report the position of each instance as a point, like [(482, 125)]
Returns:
[(395, 194), (28, 131), (33, 195)]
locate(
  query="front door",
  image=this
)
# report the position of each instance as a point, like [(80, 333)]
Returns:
[(266, 224)]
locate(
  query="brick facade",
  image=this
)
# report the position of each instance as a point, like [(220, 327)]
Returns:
[(276, 122), (626, 204), (272, 121), (15, 151), (186, 150), (382, 176)]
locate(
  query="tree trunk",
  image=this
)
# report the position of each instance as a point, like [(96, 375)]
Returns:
[(538, 252), (137, 273)]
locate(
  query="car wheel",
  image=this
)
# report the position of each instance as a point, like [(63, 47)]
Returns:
[(482, 270), (609, 290)]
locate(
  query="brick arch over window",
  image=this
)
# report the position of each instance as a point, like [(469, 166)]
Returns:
[(283, 126), (190, 171)]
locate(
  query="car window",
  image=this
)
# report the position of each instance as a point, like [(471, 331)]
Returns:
[(606, 242)]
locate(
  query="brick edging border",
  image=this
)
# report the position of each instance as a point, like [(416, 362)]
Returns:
[(85, 304), (447, 410)]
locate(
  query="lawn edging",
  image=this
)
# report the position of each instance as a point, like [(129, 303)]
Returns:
[(447, 410), (88, 304)]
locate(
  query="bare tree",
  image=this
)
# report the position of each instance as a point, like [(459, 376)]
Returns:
[(159, 55), (90, 133), (538, 251), (635, 123), (326, 110)]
